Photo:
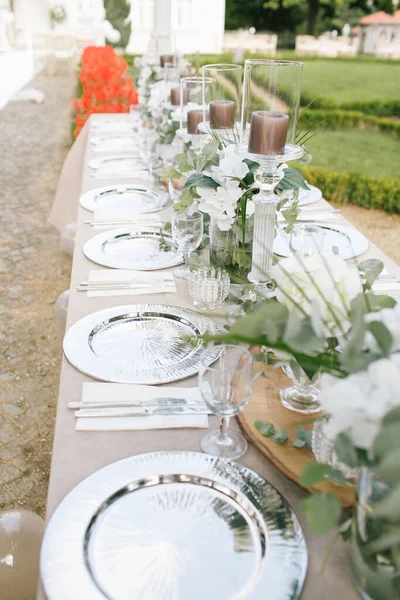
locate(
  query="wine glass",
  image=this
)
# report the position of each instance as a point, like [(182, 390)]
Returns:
[(187, 233), (147, 148), (306, 239), (225, 387)]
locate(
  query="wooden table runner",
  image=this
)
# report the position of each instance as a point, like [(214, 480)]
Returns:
[(265, 405)]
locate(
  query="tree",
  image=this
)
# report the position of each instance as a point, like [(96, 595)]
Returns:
[(313, 16), (117, 11)]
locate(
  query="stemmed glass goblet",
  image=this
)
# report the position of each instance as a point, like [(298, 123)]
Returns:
[(187, 233), (225, 387)]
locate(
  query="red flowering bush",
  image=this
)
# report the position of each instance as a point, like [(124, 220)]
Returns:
[(104, 87)]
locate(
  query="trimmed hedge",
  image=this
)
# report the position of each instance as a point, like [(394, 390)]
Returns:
[(347, 119), (353, 188), (388, 108)]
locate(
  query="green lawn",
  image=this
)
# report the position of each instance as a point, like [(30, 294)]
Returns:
[(340, 80), (350, 81), (353, 150)]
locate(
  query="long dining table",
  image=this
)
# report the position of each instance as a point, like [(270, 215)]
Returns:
[(77, 454)]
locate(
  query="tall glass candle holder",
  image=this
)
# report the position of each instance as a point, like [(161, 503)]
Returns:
[(270, 104), (195, 97), (224, 105)]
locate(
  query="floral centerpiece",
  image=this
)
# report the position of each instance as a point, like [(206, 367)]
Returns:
[(222, 184), (351, 336), (149, 71)]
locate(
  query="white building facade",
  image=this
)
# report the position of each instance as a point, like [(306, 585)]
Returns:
[(187, 26)]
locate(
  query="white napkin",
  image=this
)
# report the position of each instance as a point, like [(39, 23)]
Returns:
[(385, 285), (121, 214), (159, 282), (121, 392)]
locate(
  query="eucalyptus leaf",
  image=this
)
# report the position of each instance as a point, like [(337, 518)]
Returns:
[(382, 335), (370, 269), (280, 437), (315, 472), (345, 450), (304, 435), (323, 511), (375, 302), (387, 440), (266, 429), (385, 541), (389, 467), (299, 444), (389, 507), (392, 416)]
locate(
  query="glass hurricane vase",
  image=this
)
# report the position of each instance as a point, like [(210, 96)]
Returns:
[(232, 250), (303, 395), (375, 575)]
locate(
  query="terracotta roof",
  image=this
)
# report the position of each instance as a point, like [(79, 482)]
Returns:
[(381, 18)]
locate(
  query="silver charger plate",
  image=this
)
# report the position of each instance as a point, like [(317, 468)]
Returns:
[(115, 143), (143, 248), (173, 526), (112, 125), (310, 196), (140, 343), (121, 165), (348, 241), (138, 199)]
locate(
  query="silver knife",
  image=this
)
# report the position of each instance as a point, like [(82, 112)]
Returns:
[(141, 412), (155, 402)]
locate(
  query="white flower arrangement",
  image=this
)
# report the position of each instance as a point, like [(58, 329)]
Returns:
[(321, 287)]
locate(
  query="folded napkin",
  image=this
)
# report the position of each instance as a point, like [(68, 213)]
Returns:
[(384, 286), (121, 392), (110, 213), (159, 282)]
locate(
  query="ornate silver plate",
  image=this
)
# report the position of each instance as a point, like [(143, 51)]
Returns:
[(143, 248), (140, 343), (138, 199), (173, 526), (348, 241), (121, 165)]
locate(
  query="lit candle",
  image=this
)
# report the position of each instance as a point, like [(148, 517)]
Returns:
[(166, 58), (222, 114), (268, 131), (176, 96), (194, 117)]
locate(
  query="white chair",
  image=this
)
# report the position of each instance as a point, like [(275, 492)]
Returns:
[(62, 49)]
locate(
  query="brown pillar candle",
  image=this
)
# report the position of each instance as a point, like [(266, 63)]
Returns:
[(268, 131), (222, 114), (176, 96), (194, 117), (166, 58)]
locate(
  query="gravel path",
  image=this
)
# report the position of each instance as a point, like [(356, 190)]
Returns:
[(34, 139)]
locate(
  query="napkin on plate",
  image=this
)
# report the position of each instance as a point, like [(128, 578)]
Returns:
[(120, 214), (122, 392), (159, 282)]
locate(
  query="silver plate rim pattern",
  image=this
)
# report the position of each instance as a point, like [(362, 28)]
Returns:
[(88, 199), (77, 345), (358, 242), (93, 249), (62, 566)]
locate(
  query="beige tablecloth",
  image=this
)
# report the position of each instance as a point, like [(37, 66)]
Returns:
[(78, 454)]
